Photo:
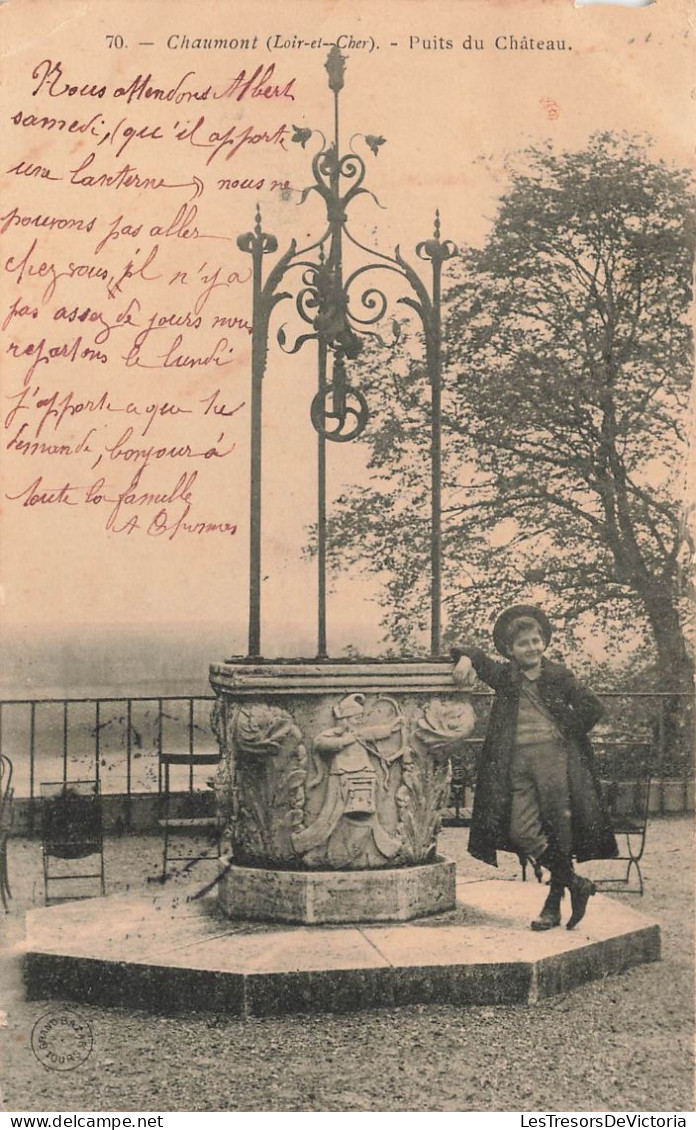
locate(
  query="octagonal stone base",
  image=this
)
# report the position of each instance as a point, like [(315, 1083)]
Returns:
[(312, 897), (171, 955)]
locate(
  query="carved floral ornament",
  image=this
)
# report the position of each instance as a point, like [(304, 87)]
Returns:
[(261, 730), (443, 725)]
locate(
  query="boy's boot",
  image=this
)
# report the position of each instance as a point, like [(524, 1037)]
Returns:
[(550, 915), (580, 892)]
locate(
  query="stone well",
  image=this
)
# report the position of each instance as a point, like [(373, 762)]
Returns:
[(332, 783), (327, 834)]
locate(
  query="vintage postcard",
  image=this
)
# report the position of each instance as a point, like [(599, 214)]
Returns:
[(328, 331)]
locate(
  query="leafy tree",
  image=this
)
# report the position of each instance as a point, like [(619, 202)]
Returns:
[(565, 414)]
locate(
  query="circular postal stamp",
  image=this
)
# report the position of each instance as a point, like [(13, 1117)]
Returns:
[(62, 1040)]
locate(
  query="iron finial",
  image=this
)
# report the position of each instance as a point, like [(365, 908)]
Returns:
[(336, 67)]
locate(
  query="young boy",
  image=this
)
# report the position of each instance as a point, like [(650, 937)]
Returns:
[(537, 793)]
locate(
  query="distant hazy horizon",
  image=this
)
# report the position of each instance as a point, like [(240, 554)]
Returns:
[(142, 659)]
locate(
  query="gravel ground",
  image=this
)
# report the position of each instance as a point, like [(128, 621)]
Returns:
[(620, 1044)]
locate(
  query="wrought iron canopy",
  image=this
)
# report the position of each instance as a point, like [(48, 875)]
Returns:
[(340, 309)]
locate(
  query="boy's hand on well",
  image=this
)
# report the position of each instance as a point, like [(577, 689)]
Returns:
[(463, 673)]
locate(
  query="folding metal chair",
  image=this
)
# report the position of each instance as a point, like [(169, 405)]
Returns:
[(630, 829), (192, 813), (71, 829)]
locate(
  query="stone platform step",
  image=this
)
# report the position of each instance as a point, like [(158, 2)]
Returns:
[(167, 954)]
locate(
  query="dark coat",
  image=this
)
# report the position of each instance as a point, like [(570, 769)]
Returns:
[(575, 710)]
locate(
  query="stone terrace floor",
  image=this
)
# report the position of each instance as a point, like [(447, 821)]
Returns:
[(623, 1043)]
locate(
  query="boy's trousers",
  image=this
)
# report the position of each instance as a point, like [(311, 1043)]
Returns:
[(541, 805)]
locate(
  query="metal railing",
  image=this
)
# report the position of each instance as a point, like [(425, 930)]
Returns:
[(119, 741), (102, 738)]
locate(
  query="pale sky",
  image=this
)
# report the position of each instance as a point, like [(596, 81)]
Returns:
[(450, 116)]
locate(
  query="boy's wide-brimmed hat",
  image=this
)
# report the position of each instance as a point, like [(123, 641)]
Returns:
[(502, 624)]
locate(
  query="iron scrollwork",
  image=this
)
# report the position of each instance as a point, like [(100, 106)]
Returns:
[(341, 317)]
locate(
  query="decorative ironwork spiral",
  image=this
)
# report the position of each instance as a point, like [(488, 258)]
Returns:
[(349, 167), (372, 298), (352, 166), (324, 164), (307, 303), (343, 422)]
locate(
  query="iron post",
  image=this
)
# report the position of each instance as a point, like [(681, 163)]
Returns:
[(339, 411)]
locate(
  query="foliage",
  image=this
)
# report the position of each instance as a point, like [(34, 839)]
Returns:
[(566, 389)]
